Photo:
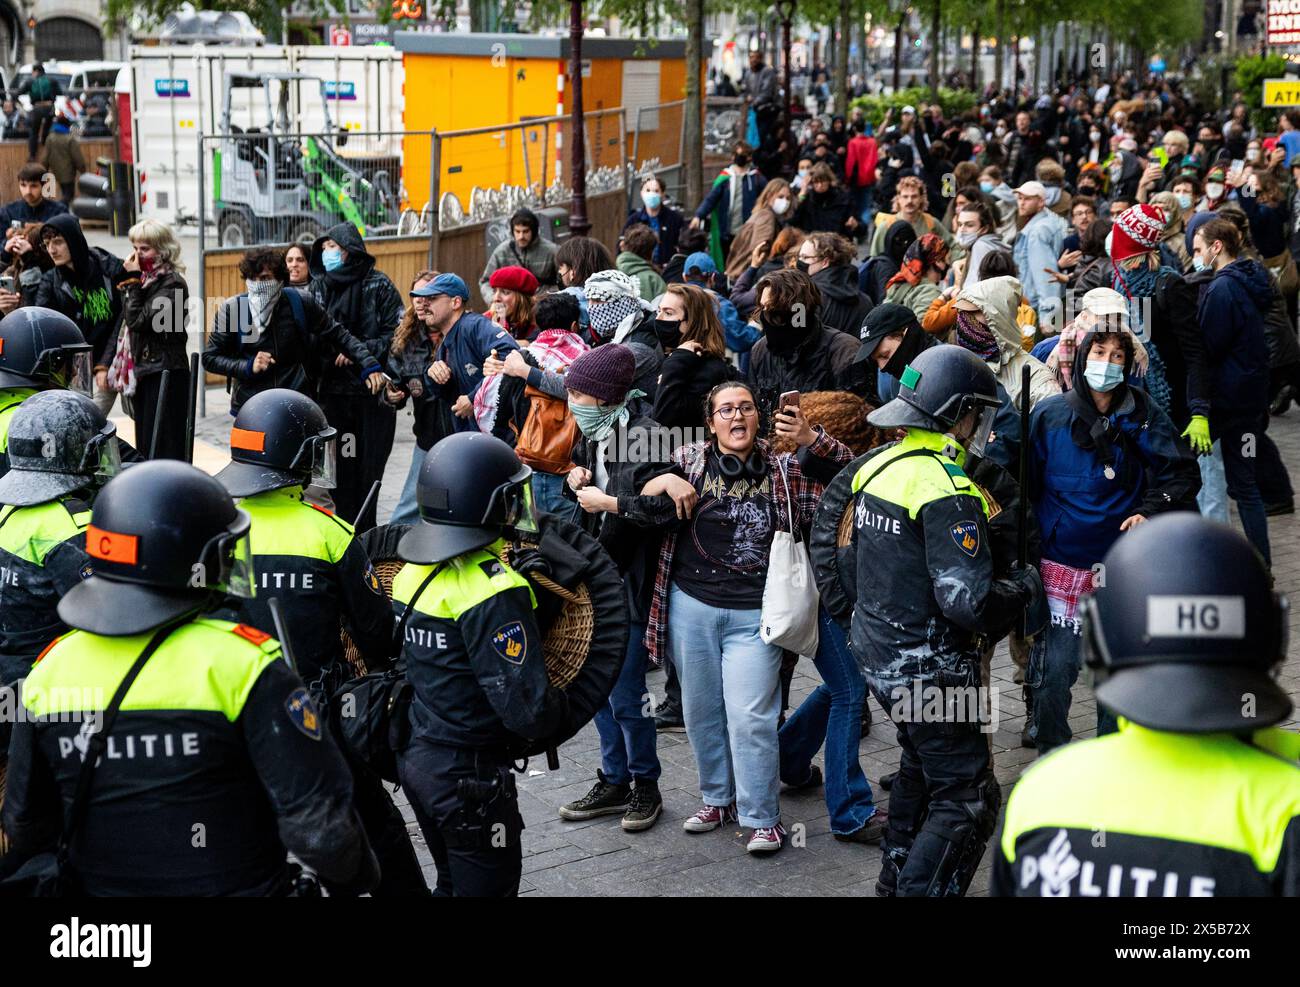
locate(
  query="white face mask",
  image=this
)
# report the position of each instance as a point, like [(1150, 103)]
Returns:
[(1214, 190), (1252, 154), (966, 239), (1094, 135), (779, 206)]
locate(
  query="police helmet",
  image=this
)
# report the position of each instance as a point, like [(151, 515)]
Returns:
[(42, 348), (163, 538), (1184, 631), (59, 441), (280, 438), (938, 389), (472, 490)]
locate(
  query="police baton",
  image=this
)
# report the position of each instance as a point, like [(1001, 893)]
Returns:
[(365, 504), (159, 412), (190, 410), (1022, 505), (282, 634)]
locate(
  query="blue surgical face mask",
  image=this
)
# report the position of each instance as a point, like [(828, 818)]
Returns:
[(986, 187), (1102, 375), (1198, 263), (652, 200), (1184, 200), (331, 260)]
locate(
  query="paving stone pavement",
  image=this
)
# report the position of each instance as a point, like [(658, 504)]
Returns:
[(598, 858)]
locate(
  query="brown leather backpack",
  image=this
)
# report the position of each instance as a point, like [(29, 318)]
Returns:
[(549, 434)]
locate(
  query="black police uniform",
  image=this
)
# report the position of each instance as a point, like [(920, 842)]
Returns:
[(473, 653), (218, 762), (307, 558), (42, 556), (916, 625), (1197, 794)]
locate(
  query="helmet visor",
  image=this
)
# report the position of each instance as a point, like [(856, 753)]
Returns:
[(979, 440), (319, 454), (230, 556), (514, 504), (67, 366), (103, 456)]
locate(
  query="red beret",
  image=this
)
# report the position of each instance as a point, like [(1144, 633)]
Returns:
[(514, 279)]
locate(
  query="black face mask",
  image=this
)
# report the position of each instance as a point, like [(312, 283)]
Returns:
[(782, 337), (1087, 190), (741, 160), (802, 265), (908, 347), (669, 332)]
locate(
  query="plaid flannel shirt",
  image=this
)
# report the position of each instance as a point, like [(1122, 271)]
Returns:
[(691, 461)]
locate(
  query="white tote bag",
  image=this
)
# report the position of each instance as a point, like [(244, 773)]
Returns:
[(790, 598)]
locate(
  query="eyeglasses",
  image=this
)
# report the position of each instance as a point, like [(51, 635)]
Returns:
[(728, 411)]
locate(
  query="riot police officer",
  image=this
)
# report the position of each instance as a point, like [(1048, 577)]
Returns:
[(39, 349), (473, 654), (926, 595), (61, 448), (1197, 794), (217, 763), (308, 559)]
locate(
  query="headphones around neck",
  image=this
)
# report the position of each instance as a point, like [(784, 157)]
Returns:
[(732, 467)]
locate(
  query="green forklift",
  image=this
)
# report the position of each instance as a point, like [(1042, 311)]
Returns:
[(274, 184)]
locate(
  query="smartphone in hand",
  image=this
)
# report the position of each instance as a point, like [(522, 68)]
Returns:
[(790, 399)]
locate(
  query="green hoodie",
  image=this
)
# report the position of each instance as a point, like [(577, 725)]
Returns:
[(649, 283)]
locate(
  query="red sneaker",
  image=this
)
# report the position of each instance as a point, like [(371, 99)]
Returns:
[(709, 818), (766, 839)]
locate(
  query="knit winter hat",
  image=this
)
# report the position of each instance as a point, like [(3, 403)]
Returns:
[(1137, 231), (605, 372)]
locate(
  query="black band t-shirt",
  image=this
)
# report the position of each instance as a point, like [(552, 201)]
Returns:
[(722, 553)]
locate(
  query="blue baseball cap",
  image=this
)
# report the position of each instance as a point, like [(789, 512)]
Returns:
[(699, 261), (443, 284)]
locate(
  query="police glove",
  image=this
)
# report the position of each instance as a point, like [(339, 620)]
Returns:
[(1030, 584), (530, 561)]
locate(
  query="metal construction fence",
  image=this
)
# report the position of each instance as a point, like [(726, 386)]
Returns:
[(433, 199)]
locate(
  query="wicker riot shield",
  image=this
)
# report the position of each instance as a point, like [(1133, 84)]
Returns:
[(581, 610)]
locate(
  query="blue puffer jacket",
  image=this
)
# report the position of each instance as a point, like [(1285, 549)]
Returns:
[(1079, 509), (1231, 313)]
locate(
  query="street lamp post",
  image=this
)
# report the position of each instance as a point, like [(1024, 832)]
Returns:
[(785, 11), (578, 222)]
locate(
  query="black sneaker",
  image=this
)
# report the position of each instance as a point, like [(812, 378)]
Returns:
[(668, 717), (866, 716), (604, 799), (887, 781), (1281, 507), (813, 780), (644, 808)]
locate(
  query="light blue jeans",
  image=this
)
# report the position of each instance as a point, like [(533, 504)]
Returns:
[(1213, 498), (407, 510), (731, 701)]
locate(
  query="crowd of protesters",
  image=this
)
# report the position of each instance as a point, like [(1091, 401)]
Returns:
[(1131, 250)]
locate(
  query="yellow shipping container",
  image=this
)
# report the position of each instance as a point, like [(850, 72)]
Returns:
[(466, 81)]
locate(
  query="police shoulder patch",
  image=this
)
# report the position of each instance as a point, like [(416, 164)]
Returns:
[(372, 580), (967, 536), (492, 567), (86, 571), (251, 634), (303, 714), (510, 642)]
